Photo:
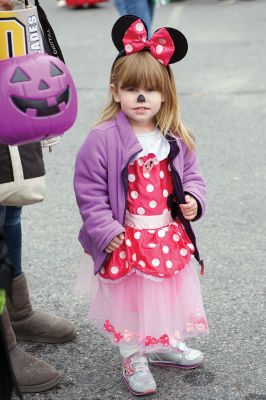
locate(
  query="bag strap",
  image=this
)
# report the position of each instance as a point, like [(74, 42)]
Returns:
[(50, 42), (16, 164)]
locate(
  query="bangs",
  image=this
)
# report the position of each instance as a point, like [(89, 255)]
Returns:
[(140, 70)]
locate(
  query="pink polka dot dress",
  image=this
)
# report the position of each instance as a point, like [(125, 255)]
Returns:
[(148, 290), (161, 251)]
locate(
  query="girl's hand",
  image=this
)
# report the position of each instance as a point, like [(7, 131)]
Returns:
[(115, 243), (190, 209)]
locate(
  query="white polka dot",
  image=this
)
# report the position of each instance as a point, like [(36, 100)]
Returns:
[(150, 188), (128, 48), (155, 262), (169, 264), (176, 237), (141, 211), (165, 249), (161, 174), (122, 254), (169, 167), (183, 252), (114, 270), (190, 246), (165, 211), (102, 270), (134, 194), (140, 161), (134, 257), (146, 175), (176, 272), (159, 49), (142, 263), (161, 233), (165, 193), (139, 27), (152, 204), (151, 230), (152, 245), (131, 178), (128, 242), (137, 235)]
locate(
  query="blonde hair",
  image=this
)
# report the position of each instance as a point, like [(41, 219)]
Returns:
[(142, 70)]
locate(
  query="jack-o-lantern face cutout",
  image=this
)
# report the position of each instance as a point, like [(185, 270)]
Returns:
[(42, 107), (37, 98)]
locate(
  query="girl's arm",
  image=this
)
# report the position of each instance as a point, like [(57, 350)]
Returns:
[(193, 181), (91, 189)]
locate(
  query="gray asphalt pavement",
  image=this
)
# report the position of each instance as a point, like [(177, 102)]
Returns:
[(222, 87)]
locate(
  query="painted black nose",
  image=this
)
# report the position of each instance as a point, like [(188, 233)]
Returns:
[(141, 99)]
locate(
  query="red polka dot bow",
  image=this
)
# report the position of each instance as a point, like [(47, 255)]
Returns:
[(150, 340), (161, 44), (167, 45), (109, 328)]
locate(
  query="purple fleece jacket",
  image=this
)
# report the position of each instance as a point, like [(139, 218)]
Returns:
[(100, 183)]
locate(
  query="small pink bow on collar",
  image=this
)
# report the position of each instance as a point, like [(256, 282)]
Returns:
[(160, 45)]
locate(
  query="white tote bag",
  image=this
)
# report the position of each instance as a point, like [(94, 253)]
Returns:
[(21, 191)]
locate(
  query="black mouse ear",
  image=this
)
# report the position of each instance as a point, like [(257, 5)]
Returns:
[(121, 26), (180, 43)]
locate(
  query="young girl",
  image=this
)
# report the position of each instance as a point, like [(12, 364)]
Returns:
[(138, 187)]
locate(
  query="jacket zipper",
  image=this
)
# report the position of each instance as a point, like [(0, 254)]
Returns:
[(180, 199)]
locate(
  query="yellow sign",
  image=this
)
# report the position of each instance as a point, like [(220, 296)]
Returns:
[(19, 33)]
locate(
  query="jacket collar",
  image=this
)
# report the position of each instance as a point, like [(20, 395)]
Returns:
[(127, 137), (174, 147), (130, 142)]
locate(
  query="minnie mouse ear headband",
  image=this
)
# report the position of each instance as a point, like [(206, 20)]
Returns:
[(167, 45)]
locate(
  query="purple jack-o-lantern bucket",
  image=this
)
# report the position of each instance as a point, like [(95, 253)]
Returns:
[(38, 99)]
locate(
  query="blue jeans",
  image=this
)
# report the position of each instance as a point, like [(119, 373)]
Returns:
[(141, 8), (10, 221)]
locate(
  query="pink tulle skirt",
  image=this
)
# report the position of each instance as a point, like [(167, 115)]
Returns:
[(154, 311)]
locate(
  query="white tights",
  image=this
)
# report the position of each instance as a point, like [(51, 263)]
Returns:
[(127, 349)]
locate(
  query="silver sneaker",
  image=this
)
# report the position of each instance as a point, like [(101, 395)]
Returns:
[(137, 375), (180, 357)]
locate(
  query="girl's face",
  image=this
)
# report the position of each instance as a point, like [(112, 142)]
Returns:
[(139, 105)]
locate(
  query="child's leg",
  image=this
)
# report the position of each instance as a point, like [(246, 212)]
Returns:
[(127, 349)]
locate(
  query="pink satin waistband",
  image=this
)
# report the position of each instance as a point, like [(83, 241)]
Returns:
[(148, 221)]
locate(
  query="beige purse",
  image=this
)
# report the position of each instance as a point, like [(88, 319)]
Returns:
[(22, 175)]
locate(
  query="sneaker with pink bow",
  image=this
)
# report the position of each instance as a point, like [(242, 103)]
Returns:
[(137, 375), (180, 357)]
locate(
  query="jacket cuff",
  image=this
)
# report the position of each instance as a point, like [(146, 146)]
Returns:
[(111, 236)]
